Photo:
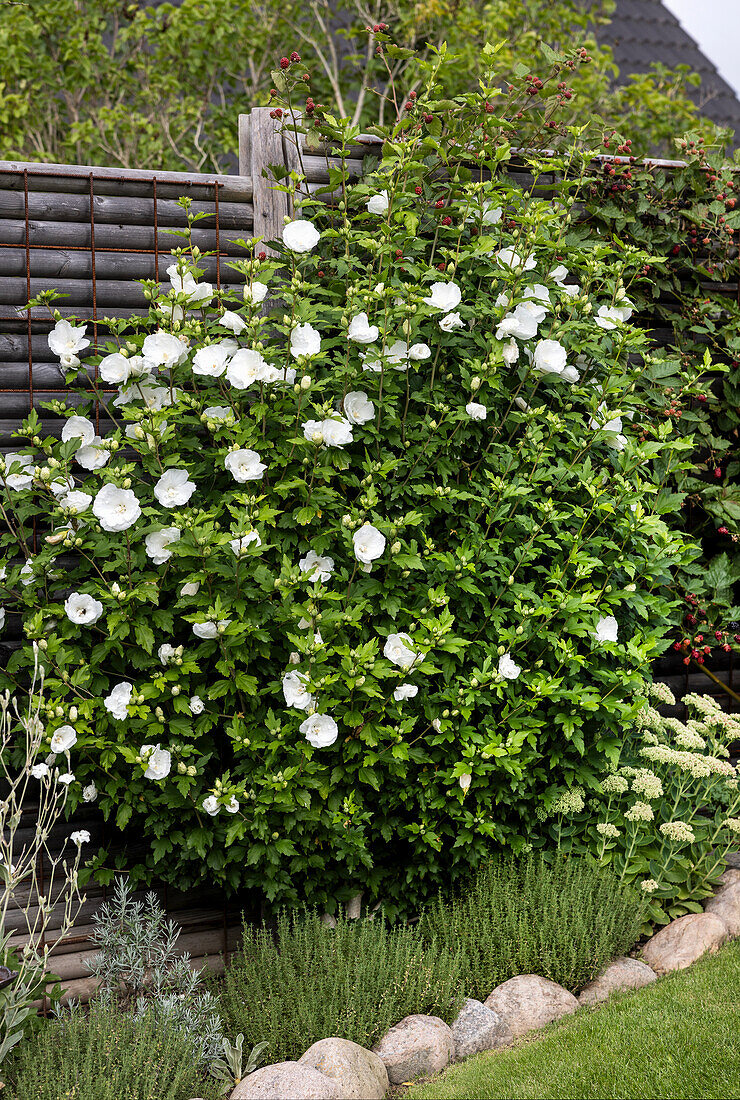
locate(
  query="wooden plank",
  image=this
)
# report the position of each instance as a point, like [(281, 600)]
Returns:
[(13, 317), (109, 292), (265, 149), (57, 206), (58, 262), (120, 237), (71, 177), (82, 989)]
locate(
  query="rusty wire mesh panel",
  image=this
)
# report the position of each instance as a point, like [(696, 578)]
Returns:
[(90, 234)]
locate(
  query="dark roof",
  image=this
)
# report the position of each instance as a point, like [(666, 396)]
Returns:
[(644, 31)]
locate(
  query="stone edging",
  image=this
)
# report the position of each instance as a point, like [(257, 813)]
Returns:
[(419, 1046)]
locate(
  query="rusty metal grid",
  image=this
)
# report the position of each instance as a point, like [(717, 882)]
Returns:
[(49, 243)]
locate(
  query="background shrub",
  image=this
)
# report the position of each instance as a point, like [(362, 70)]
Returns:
[(108, 1055), (564, 920), (354, 981)]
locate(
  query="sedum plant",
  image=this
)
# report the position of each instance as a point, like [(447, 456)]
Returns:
[(668, 811), (373, 555)]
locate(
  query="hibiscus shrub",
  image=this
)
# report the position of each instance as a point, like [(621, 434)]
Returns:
[(362, 577)]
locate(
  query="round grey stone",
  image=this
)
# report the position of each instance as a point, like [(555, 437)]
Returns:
[(287, 1080), (528, 1002), (360, 1074), (418, 1046), (683, 941), (478, 1028), (622, 974)]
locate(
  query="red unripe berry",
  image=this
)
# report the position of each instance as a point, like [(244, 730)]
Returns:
[(295, 56), (707, 649), (718, 471), (737, 637), (408, 106), (428, 118), (439, 203), (442, 266), (273, 92), (676, 646), (284, 63), (718, 635), (399, 253), (686, 660), (419, 190), (700, 660), (722, 531), (262, 256), (727, 648), (676, 249), (447, 221), (699, 638)]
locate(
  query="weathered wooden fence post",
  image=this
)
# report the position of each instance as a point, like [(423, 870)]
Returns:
[(261, 145)]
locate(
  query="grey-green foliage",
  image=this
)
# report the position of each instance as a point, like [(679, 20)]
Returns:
[(108, 1054), (564, 920), (308, 981), (138, 965)]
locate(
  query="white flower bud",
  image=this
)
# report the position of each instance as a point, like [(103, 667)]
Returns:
[(73, 714), (474, 384), (306, 382)]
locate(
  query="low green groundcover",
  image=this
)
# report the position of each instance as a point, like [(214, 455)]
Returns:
[(674, 1040), (107, 1055)]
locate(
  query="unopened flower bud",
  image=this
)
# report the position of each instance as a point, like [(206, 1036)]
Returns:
[(474, 384), (306, 382)]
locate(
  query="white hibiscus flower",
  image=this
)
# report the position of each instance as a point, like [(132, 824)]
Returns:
[(295, 690), (82, 609), (444, 296), (66, 339), (210, 361), (369, 545), (244, 465), (157, 543), (317, 567), (378, 204), (63, 739), (361, 331), (320, 730), (398, 650), (117, 702), (78, 428), (116, 509), (174, 488), (301, 236), (305, 340), (358, 408), (158, 761)]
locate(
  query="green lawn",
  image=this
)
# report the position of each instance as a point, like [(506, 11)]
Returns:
[(676, 1039)]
